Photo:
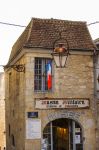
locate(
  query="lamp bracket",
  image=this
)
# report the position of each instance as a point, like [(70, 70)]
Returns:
[(18, 68), (61, 40)]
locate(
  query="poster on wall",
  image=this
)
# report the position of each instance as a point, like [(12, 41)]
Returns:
[(33, 129), (44, 143), (77, 139)]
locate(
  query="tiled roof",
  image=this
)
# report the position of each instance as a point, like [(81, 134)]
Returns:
[(42, 33)]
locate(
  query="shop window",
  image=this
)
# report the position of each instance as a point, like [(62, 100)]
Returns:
[(43, 74), (62, 134)]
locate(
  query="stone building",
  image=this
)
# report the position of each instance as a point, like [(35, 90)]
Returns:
[(96, 83), (56, 113), (2, 112)]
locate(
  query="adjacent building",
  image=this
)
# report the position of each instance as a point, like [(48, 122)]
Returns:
[(2, 112), (51, 108), (96, 83)]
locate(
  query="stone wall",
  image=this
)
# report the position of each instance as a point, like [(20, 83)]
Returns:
[(15, 109), (2, 112), (74, 81)]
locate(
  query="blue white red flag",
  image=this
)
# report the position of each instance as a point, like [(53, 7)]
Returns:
[(49, 75)]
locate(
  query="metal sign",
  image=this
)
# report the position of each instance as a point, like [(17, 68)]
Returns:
[(33, 129), (61, 103), (32, 114)]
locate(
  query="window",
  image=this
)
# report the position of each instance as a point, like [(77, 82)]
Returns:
[(9, 129), (43, 74), (12, 140)]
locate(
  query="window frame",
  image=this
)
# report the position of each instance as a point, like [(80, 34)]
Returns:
[(43, 74)]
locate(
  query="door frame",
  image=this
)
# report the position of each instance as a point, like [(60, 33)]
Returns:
[(73, 125)]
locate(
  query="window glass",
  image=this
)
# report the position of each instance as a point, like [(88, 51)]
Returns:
[(43, 74)]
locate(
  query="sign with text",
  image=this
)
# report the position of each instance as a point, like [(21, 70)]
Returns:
[(32, 114), (77, 139), (33, 129), (61, 103)]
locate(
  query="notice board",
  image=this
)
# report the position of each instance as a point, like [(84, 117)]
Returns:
[(33, 129)]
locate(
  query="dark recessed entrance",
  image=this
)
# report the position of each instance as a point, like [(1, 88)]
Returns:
[(62, 134)]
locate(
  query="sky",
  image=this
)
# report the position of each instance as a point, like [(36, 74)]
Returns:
[(20, 12)]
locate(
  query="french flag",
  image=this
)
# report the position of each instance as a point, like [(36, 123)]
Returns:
[(49, 75)]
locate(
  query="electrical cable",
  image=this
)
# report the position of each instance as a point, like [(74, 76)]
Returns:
[(11, 24), (93, 23)]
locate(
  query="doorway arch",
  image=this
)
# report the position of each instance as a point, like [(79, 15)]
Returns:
[(62, 134)]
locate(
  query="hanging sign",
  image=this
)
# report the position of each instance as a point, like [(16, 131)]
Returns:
[(33, 129), (77, 130), (61, 103)]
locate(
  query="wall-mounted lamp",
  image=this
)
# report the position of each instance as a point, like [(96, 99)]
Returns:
[(60, 52)]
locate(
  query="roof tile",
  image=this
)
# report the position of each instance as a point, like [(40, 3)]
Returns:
[(42, 33)]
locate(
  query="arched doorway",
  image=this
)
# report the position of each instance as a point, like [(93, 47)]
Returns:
[(62, 134)]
